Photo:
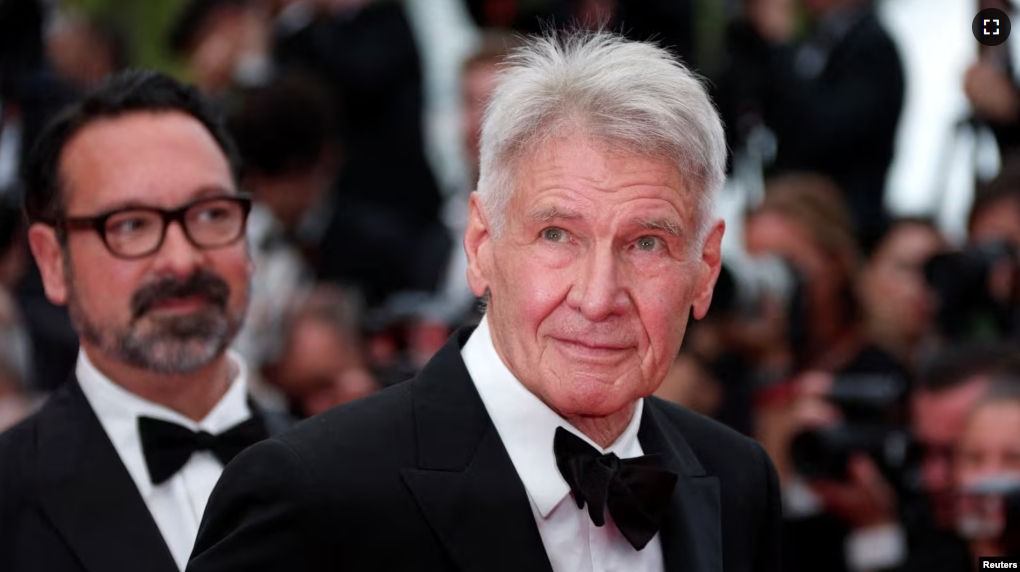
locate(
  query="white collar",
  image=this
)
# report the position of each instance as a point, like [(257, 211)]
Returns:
[(118, 411), (526, 425)]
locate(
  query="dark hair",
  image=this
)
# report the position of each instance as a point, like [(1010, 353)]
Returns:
[(190, 20), (284, 126), (955, 366), (1005, 187), (127, 92), (872, 243)]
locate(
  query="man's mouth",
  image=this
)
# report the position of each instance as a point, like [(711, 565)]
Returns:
[(593, 349), (181, 305)]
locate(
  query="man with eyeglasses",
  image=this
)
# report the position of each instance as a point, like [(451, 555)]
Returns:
[(137, 226)]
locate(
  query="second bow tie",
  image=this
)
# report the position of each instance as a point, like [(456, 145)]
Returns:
[(168, 446), (635, 491)]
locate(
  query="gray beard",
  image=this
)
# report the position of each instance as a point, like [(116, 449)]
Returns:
[(178, 345), (172, 346)]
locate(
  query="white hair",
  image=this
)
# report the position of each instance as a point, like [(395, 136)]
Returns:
[(630, 95)]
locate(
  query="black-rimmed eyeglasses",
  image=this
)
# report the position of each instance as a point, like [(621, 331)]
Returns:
[(137, 232)]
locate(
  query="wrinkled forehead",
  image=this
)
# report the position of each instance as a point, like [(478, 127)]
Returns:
[(598, 164)]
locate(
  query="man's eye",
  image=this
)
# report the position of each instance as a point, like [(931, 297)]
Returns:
[(212, 214), (128, 225), (554, 234), (648, 243)]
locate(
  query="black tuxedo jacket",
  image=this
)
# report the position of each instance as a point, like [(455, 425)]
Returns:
[(67, 503), (417, 478)]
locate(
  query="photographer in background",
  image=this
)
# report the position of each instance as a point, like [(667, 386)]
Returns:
[(290, 159), (829, 525), (226, 45), (987, 469), (978, 287), (898, 303), (803, 221), (995, 214), (321, 363)]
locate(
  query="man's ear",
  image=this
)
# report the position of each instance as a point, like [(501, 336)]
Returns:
[(708, 270), (49, 257), (478, 247)]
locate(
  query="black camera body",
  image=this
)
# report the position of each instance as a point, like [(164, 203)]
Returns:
[(874, 413), (968, 309)]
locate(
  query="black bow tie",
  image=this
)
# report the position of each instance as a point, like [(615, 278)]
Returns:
[(636, 491), (168, 446)]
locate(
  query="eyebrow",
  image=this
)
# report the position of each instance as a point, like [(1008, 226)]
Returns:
[(667, 225), (203, 192), (546, 214)]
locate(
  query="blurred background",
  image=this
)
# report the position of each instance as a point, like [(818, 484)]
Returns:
[(865, 328)]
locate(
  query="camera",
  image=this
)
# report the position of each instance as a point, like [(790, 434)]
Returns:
[(747, 284), (969, 307), (874, 410)]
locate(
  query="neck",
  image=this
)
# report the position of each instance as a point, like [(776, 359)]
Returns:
[(604, 430), (193, 395)]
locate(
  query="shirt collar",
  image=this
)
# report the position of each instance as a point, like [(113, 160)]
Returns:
[(118, 411), (526, 425)]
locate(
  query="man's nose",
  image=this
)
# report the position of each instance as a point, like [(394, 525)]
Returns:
[(599, 287), (177, 255)]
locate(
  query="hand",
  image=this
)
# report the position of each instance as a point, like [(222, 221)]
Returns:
[(865, 500), (772, 19), (804, 408), (991, 93)]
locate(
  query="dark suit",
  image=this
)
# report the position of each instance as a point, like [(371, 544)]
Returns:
[(840, 121), (417, 478), (67, 503)]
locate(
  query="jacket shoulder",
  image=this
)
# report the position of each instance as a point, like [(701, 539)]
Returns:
[(18, 444), (720, 448), (383, 417)]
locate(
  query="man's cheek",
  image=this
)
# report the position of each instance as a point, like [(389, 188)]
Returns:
[(545, 293)]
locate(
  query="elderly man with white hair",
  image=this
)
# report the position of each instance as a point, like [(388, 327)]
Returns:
[(532, 442)]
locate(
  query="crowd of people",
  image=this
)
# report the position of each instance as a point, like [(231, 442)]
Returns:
[(874, 356)]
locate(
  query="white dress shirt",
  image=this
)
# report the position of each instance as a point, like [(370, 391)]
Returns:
[(177, 503), (526, 426)]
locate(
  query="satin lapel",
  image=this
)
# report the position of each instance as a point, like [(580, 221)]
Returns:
[(465, 482), (89, 495), (691, 536)]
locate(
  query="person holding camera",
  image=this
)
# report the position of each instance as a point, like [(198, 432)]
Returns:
[(978, 287), (844, 521), (898, 304)]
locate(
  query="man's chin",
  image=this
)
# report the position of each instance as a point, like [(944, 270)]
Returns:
[(179, 358), (589, 398)]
